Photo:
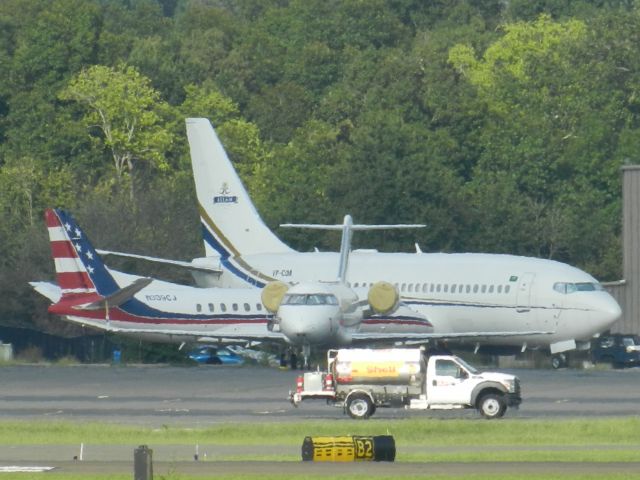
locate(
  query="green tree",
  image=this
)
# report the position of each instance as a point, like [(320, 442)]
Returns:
[(128, 113), (554, 103)]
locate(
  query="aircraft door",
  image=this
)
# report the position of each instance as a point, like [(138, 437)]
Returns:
[(523, 297), (524, 301)]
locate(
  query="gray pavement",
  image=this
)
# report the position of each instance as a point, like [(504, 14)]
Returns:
[(369, 469), (203, 395), (199, 396)]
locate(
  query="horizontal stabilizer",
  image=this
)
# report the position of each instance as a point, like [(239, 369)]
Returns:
[(176, 263), (347, 228), (359, 227), (47, 289), (117, 298)]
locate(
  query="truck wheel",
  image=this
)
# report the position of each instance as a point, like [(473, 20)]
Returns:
[(359, 406), (492, 406)]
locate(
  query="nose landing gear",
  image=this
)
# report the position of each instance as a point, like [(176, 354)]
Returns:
[(306, 353), (290, 357)]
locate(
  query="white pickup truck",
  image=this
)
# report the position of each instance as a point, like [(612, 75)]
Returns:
[(361, 380)]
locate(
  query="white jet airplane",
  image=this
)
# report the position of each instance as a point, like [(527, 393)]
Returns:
[(90, 294), (506, 300)]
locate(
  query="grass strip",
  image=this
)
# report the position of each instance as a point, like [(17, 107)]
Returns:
[(420, 432)]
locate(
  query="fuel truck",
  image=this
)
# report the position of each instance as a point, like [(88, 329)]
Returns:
[(362, 380)]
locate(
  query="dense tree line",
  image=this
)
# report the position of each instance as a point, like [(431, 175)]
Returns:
[(501, 125)]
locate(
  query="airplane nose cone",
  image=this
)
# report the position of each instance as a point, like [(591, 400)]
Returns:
[(307, 325), (611, 313)]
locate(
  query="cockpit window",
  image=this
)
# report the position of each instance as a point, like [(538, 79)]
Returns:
[(567, 287), (309, 299), (294, 300)]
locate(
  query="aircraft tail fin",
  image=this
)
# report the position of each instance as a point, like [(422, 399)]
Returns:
[(79, 269), (231, 225), (348, 227)]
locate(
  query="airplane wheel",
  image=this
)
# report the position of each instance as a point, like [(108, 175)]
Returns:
[(359, 406), (492, 406), (558, 361)]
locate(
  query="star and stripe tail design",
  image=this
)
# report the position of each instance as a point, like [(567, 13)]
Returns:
[(79, 269)]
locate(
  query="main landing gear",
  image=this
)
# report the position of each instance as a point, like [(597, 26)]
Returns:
[(559, 360)]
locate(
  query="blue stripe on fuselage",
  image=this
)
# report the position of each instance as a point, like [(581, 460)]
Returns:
[(225, 257)]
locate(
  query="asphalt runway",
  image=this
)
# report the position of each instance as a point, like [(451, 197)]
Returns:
[(200, 396), (203, 395)]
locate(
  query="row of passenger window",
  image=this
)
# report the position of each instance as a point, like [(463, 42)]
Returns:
[(443, 288), (223, 307)]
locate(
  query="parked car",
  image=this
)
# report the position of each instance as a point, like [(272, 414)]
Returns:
[(215, 356), (255, 356), (620, 350)]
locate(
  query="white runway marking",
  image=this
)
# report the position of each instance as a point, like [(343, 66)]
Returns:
[(18, 469)]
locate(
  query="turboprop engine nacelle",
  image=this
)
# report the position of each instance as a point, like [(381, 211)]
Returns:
[(383, 297)]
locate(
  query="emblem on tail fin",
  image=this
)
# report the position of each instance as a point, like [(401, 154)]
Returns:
[(225, 196)]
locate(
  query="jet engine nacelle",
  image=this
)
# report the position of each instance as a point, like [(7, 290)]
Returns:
[(383, 297)]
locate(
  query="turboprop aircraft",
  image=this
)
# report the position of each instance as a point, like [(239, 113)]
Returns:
[(90, 294), (490, 294), (310, 311)]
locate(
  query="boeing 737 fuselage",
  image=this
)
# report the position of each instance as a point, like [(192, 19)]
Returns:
[(499, 297)]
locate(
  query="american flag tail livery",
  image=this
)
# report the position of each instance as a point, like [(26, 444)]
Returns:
[(81, 274)]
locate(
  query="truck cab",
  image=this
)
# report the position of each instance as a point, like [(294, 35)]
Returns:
[(362, 380), (453, 383)]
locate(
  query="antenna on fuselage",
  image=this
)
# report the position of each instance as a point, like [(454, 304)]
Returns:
[(348, 227)]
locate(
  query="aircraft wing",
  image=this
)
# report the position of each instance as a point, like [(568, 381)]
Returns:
[(194, 336), (176, 263), (416, 337)]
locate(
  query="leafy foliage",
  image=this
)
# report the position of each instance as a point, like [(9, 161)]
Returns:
[(503, 126)]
